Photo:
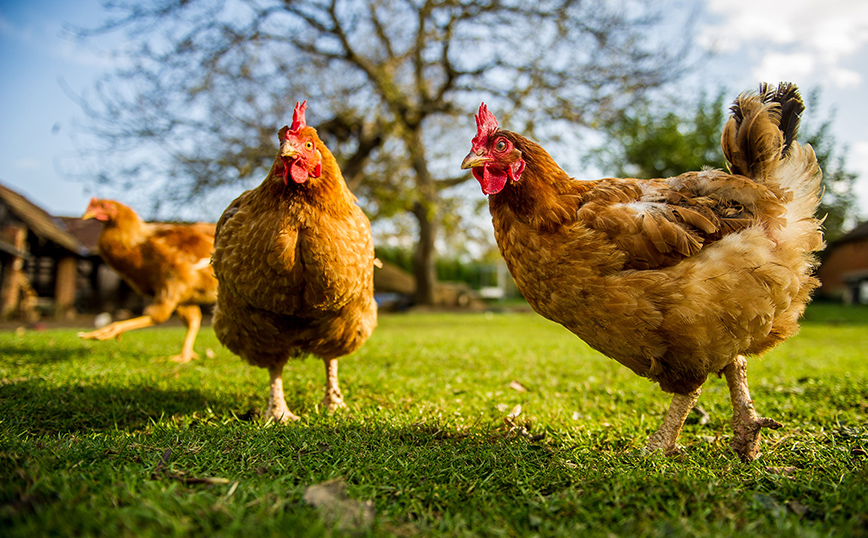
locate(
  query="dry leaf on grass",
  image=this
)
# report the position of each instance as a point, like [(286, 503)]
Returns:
[(518, 429), (510, 418), (162, 470), (784, 471), (337, 508), (515, 385), (797, 508)]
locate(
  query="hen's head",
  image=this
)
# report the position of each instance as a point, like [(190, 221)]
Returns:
[(299, 156), (493, 157), (101, 210)]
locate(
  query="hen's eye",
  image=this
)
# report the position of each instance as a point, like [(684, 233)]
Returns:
[(309, 145), (500, 146)]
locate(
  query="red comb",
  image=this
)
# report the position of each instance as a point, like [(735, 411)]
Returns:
[(298, 120), (486, 125)]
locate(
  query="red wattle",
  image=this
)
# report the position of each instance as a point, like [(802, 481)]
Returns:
[(285, 171), (298, 172), (490, 179)]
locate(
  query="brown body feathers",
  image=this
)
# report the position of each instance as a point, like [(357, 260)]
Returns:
[(675, 278), (295, 262)]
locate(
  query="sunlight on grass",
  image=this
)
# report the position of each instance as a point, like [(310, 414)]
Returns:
[(114, 439)]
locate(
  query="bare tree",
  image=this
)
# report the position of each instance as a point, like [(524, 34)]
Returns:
[(391, 85)]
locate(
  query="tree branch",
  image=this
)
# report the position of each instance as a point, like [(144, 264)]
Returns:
[(446, 183)]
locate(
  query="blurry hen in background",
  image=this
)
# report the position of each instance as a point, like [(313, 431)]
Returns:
[(169, 263)]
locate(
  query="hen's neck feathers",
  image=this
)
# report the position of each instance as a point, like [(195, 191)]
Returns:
[(125, 226), (545, 197)]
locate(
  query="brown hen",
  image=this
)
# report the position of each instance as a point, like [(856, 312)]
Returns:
[(674, 278), (295, 262), (169, 263)]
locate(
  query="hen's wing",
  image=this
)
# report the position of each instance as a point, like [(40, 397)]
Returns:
[(338, 257), (192, 243), (256, 256), (228, 213), (659, 222)]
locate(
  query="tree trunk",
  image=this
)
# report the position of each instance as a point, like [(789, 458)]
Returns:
[(425, 211), (424, 257)]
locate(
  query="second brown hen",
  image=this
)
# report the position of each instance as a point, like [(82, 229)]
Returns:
[(675, 278)]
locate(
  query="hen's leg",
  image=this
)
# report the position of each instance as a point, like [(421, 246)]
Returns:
[(664, 439), (333, 398), (116, 329), (746, 424), (191, 315), (277, 408)]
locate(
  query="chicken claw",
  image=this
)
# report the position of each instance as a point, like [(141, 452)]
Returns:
[(184, 357), (333, 399), (280, 415), (746, 425), (116, 329), (277, 408), (664, 438), (746, 436), (105, 333)]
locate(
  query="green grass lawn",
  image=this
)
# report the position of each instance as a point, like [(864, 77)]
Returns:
[(112, 439)]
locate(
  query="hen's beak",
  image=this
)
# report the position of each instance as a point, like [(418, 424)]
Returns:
[(288, 155), (88, 215), (288, 151), (474, 160)]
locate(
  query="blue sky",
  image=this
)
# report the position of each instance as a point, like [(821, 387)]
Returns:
[(810, 42), (37, 59)]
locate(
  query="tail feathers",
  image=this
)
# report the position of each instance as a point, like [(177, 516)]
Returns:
[(761, 130), (759, 142), (791, 108), (799, 176)]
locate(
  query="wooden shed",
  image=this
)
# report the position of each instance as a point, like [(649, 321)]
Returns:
[(38, 260), (844, 268)]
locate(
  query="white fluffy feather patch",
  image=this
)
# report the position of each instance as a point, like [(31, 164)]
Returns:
[(202, 264)]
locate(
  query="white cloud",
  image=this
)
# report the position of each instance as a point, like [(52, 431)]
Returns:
[(799, 66), (795, 40), (844, 78), (858, 160), (860, 154), (839, 26), (777, 66)]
